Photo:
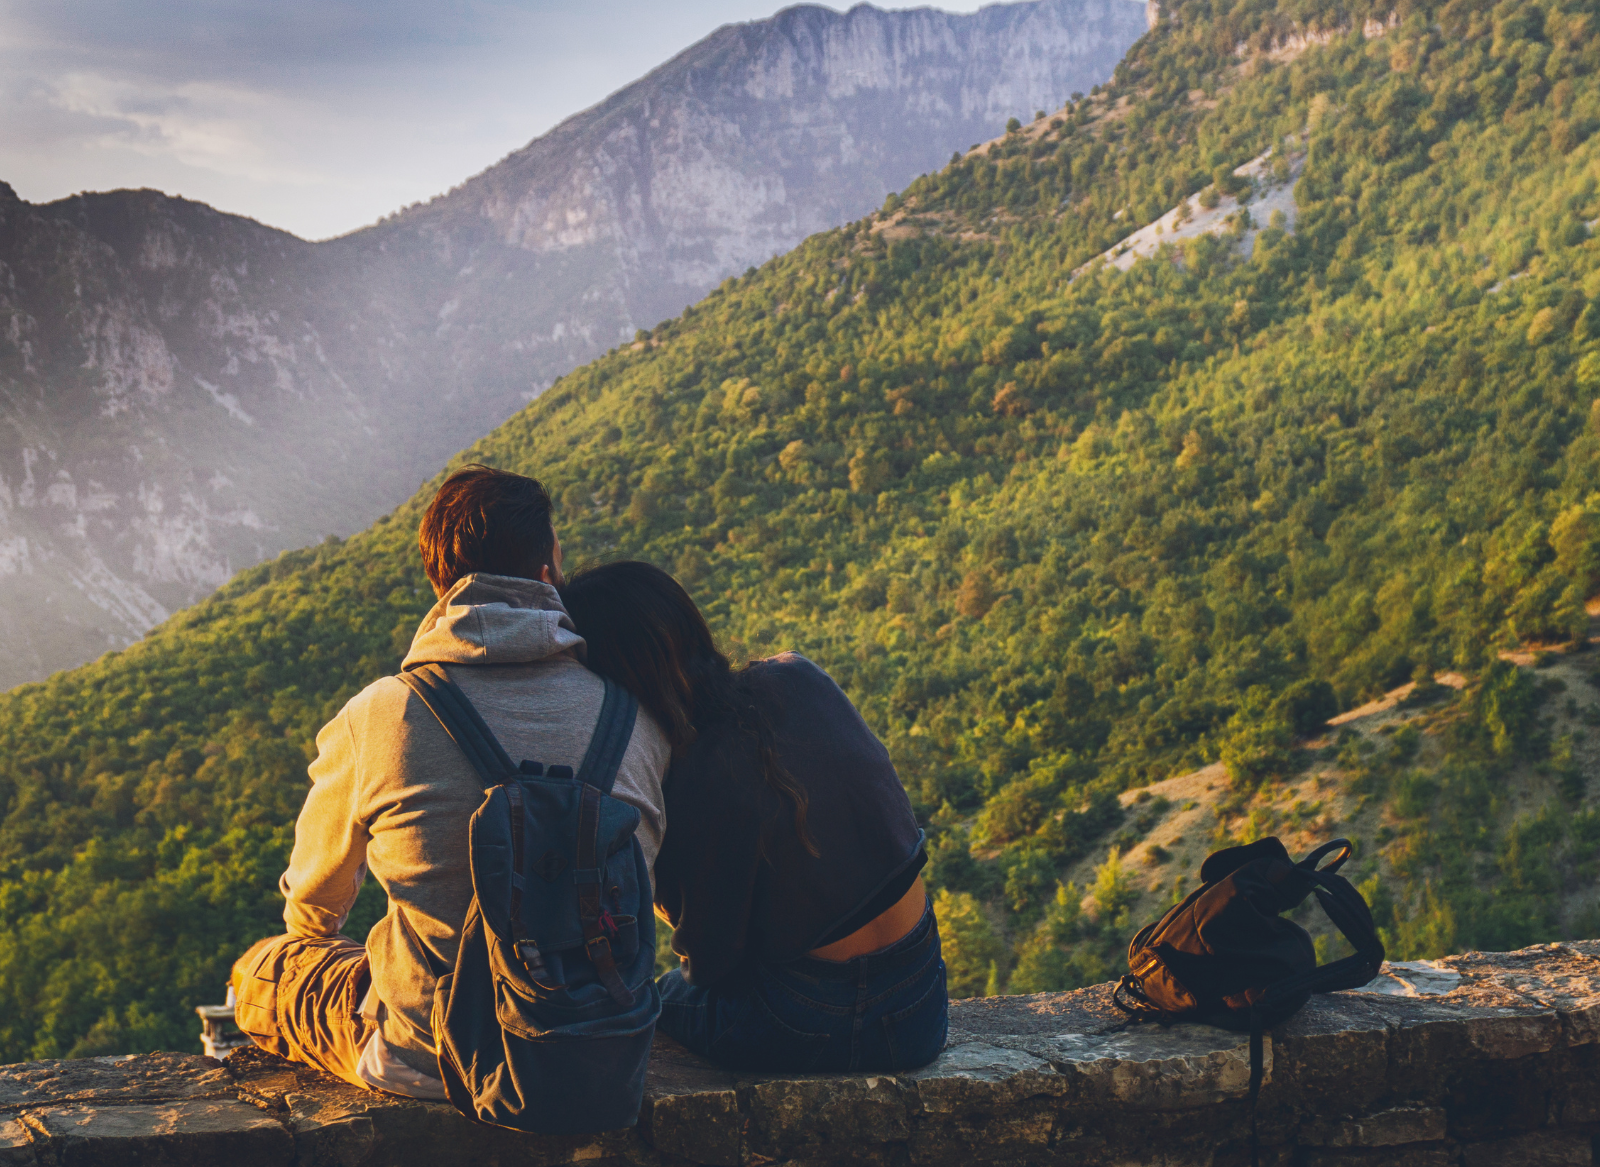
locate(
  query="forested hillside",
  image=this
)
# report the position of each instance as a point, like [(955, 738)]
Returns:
[(1058, 537)]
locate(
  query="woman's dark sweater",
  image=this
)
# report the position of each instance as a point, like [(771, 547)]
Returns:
[(732, 875)]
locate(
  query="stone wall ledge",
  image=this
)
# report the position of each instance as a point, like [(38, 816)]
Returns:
[(1476, 1060)]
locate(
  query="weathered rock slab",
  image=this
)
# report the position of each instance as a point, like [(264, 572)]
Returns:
[(216, 1130), (159, 1075), (16, 1145), (1165, 1069)]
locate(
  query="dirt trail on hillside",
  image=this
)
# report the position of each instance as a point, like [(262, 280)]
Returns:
[(1171, 826)]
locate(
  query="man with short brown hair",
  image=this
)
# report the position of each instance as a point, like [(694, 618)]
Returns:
[(392, 794), (490, 522)]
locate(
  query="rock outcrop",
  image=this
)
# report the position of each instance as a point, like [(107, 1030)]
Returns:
[(185, 392), (1482, 1059)]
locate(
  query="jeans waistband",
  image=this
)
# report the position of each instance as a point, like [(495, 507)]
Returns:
[(908, 949)]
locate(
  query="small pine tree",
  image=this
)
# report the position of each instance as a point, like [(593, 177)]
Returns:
[(971, 948)]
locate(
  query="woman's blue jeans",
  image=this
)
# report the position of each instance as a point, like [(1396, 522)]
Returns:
[(885, 1011)]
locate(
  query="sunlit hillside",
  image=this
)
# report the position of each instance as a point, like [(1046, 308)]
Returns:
[(1061, 538), (1470, 807)]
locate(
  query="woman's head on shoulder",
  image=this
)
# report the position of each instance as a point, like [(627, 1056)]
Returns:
[(646, 633)]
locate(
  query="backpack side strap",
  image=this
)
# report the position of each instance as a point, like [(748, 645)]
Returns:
[(613, 729), (598, 926), (461, 721), (1136, 1004)]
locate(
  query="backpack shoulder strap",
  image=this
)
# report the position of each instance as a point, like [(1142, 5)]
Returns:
[(471, 733), (461, 721), (596, 775), (1350, 914), (1347, 909), (613, 729)]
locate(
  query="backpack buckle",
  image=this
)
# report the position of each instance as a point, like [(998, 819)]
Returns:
[(531, 957), (1139, 1005)]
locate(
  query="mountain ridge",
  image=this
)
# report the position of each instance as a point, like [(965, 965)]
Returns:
[(294, 389)]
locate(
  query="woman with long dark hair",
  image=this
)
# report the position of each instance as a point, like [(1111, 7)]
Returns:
[(791, 865)]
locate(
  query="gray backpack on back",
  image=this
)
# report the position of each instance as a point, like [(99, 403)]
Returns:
[(545, 1023)]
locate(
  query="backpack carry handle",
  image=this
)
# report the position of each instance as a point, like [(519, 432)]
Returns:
[(1343, 846)]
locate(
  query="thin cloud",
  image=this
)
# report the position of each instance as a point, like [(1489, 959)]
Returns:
[(318, 117), (205, 37), (201, 123)]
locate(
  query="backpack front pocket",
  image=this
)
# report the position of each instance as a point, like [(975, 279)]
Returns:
[(541, 1010)]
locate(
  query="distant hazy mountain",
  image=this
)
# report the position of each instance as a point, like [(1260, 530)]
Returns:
[(184, 392)]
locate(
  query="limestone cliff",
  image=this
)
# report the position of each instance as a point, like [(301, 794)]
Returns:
[(170, 414), (183, 392)]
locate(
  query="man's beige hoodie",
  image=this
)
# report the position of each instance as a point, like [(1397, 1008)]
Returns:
[(391, 793)]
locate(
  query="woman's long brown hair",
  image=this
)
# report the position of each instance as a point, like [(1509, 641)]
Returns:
[(645, 633)]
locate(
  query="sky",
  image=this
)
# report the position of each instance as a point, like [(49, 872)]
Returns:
[(316, 116)]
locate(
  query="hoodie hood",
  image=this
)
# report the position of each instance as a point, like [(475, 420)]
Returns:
[(495, 620)]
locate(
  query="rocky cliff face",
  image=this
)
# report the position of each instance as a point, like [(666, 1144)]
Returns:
[(746, 143), (169, 411), (184, 392)]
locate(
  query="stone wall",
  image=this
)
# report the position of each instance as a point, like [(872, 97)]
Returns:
[(1476, 1060)]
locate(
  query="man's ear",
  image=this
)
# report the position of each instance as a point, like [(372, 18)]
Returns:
[(547, 574)]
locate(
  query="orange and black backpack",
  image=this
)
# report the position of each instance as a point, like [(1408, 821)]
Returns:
[(1226, 956)]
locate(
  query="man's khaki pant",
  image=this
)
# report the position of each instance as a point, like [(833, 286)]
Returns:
[(300, 997)]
